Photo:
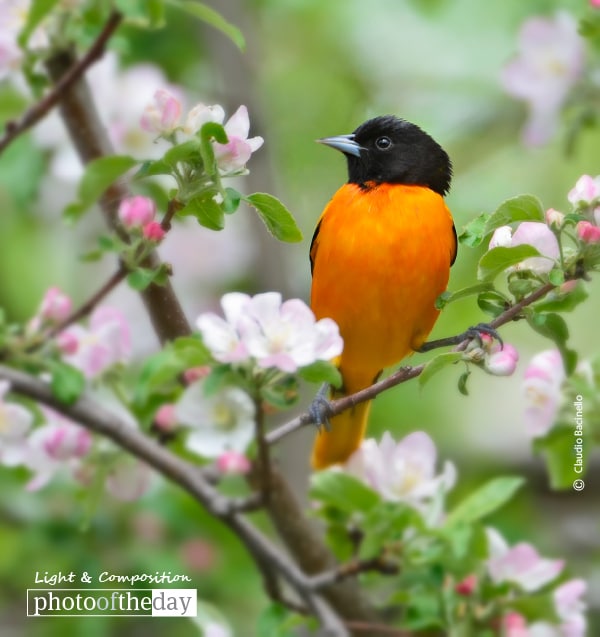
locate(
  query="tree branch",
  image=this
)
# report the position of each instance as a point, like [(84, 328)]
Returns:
[(39, 110)]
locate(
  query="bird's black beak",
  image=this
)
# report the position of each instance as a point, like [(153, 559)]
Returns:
[(344, 143)]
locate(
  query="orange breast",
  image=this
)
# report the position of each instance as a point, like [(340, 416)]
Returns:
[(381, 258)]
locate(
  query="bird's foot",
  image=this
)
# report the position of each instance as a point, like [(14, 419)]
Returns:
[(470, 334), (320, 409)]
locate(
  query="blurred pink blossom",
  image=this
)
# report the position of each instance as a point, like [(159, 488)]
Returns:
[(520, 564), (55, 306), (550, 61), (106, 342), (135, 212), (282, 335), (570, 607), (153, 231), (165, 417), (233, 463), (588, 232), (162, 115), (15, 424), (402, 471), (542, 384), (533, 233), (128, 478), (514, 625), (57, 445), (585, 192), (466, 586)]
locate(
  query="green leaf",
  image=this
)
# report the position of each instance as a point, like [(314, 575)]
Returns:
[(321, 372), (520, 208), (485, 500), (473, 233), (67, 382), (145, 13), (449, 297), (492, 302), (187, 152), (278, 219), (37, 11), (558, 450), (554, 327), (495, 261), (276, 621), (191, 351), (211, 17), (98, 176), (154, 167), (342, 491), (437, 364), (462, 383), (210, 131), (283, 393), (140, 278), (206, 210), (232, 200)]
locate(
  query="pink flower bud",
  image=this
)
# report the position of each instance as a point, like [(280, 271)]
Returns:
[(233, 463), (67, 342), (467, 585), (138, 211), (514, 625), (162, 117), (554, 218), (165, 418), (595, 4), (503, 362), (153, 231), (56, 306), (193, 374), (588, 232)]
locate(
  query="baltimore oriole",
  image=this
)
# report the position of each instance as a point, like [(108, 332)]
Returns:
[(380, 256)]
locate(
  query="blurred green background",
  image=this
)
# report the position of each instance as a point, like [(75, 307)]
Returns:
[(311, 69)]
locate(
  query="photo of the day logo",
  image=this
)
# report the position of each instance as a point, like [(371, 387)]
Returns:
[(96, 602)]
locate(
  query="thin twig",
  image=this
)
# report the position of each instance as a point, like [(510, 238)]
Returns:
[(39, 110), (351, 569)]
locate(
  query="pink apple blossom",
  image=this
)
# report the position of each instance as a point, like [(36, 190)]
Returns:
[(193, 374), (56, 306), (532, 233), (550, 62), (202, 114), (514, 625), (233, 156), (15, 424), (136, 212), (281, 335), (542, 384), (586, 191), (570, 607), (595, 3), (162, 116), (588, 232), (402, 471), (57, 445), (218, 423), (233, 463), (128, 478), (502, 360), (165, 417), (520, 564), (554, 218), (106, 342), (153, 231)]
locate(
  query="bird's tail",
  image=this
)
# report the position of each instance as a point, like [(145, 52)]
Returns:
[(346, 432)]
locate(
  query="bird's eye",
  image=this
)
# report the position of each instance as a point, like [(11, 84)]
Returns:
[(383, 143)]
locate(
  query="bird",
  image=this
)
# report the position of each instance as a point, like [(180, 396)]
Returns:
[(380, 256)]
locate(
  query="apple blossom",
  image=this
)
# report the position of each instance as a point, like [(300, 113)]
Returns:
[(595, 3), (514, 625), (165, 417), (233, 156), (466, 586), (233, 463), (218, 423), (104, 343), (502, 360), (549, 63), (56, 306), (136, 212), (202, 114), (586, 191), (128, 478), (15, 423), (403, 471), (56, 445), (542, 384), (532, 233), (275, 334), (570, 607), (554, 218), (153, 231), (588, 232), (520, 564), (161, 117)]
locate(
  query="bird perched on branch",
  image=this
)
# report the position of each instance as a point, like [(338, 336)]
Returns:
[(380, 256)]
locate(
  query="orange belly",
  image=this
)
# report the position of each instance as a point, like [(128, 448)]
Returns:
[(381, 258)]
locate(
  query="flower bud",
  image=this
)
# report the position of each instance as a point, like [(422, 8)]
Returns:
[(56, 306), (233, 463), (588, 232), (153, 231), (136, 212), (554, 218)]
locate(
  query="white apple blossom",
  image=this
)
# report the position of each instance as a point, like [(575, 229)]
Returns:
[(218, 423), (533, 233), (402, 471), (585, 192), (15, 423), (233, 156)]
